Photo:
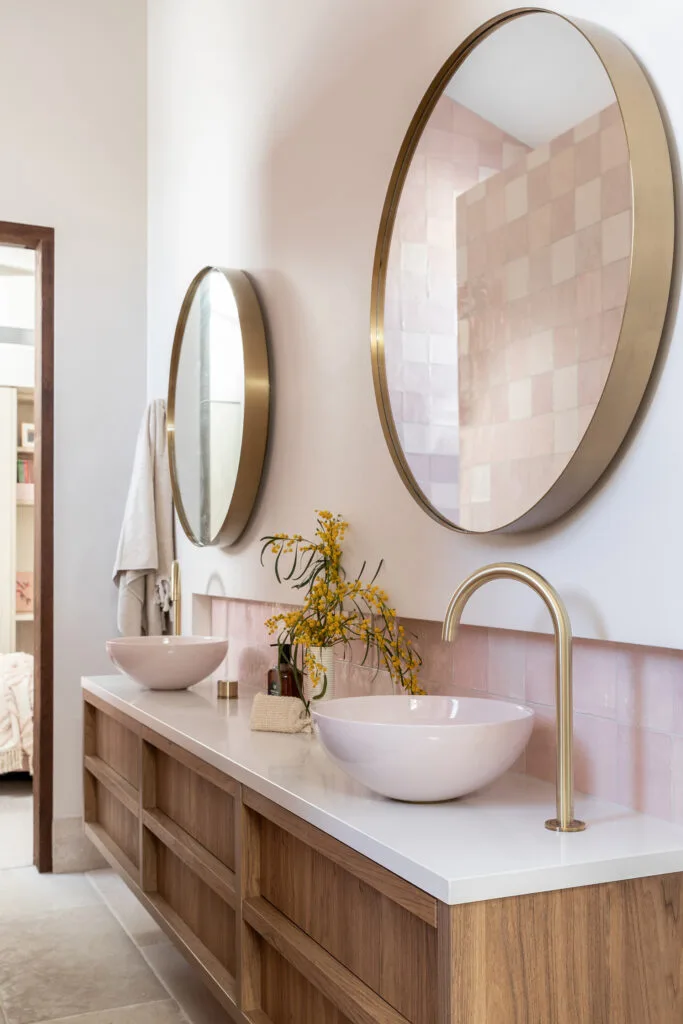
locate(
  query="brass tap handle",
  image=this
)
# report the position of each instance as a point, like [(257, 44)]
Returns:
[(175, 597)]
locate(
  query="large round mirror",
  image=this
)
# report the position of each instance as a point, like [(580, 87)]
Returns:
[(218, 406), (522, 272)]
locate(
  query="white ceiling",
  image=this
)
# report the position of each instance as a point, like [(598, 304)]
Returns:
[(535, 78)]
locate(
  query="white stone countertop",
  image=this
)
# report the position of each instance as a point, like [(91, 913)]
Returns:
[(481, 847)]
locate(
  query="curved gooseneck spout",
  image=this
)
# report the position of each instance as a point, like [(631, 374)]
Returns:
[(565, 821)]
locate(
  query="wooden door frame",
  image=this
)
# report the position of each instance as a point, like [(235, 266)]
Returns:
[(42, 241)]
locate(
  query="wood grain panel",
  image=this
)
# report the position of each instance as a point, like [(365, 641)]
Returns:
[(118, 823), (248, 855), (289, 999), (118, 747), (207, 916), (115, 783), (343, 989), (358, 925), (193, 855), (596, 955), (414, 900), (191, 761), (204, 811)]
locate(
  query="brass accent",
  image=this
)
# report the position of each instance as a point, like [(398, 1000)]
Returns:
[(226, 689), (565, 821), (650, 277), (176, 597), (256, 407)]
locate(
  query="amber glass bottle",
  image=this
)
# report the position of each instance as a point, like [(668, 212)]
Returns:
[(282, 678)]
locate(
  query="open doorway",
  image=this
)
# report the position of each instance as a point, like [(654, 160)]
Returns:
[(26, 544)]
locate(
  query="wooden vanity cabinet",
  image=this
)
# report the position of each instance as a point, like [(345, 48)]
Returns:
[(289, 926)]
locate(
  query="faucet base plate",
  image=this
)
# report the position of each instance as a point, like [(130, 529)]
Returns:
[(554, 825)]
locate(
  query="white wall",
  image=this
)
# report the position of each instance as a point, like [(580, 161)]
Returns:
[(72, 92), (273, 130)]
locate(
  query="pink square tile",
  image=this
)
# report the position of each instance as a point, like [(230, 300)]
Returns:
[(415, 407), (539, 186), (565, 297), (495, 247), (589, 332), (616, 190), (470, 650), (589, 294), (539, 227), (616, 237), (541, 753), (540, 669), (615, 279), (441, 116), (516, 239), (589, 248), (610, 329), (592, 377), (476, 220), (437, 655), (565, 346), (610, 115), (219, 616), (613, 146), (542, 395), (596, 667), (644, 765), (562, 172), (491, 153), (562, 142), (595, 757), (506, 663), (648, 681), (562, 219), (495, 209), (587, 159), (539, 269)]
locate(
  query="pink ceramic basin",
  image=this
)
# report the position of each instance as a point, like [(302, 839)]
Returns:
[(167, 662), (423, 748)]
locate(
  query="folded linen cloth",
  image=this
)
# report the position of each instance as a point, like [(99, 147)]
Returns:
[(279, 714)]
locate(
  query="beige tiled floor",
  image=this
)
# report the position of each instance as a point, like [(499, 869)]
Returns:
[(79, 949), (16, 822)]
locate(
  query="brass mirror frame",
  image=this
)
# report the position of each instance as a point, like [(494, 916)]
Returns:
[(649, 282), (256, 407)]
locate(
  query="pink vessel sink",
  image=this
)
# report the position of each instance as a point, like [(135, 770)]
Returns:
[(423, 749), (167, 662)]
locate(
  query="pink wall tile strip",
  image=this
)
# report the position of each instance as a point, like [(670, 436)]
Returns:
[(629, 700)]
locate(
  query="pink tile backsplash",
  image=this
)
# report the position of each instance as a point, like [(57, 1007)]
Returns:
[(628, 700)]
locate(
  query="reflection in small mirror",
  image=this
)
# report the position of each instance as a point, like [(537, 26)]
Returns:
[(209, 406), (508, 272)]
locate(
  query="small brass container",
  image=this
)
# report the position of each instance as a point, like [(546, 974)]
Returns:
[(227, 689)]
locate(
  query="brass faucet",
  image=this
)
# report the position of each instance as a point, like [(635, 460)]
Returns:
[(175, 597), (565, 820)]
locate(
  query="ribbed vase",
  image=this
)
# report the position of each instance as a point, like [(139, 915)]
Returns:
[(325, 657)]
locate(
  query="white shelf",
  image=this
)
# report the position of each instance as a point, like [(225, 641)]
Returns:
[(26, 451), (24, 616), (22, 503)]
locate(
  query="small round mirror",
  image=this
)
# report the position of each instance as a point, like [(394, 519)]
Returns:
[(218, 406), (522, 272)]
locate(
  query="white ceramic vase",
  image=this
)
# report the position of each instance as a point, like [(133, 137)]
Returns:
[(325, 657)]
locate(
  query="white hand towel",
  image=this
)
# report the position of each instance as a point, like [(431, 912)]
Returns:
[(142, 570)]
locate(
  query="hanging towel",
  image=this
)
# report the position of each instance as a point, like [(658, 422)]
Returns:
[(143, 561)]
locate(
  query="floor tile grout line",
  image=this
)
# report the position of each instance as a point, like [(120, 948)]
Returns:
[(114, 1009), (141, 949)]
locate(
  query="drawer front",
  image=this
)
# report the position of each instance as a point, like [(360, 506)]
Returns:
[(199, 807), (362, 928)]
